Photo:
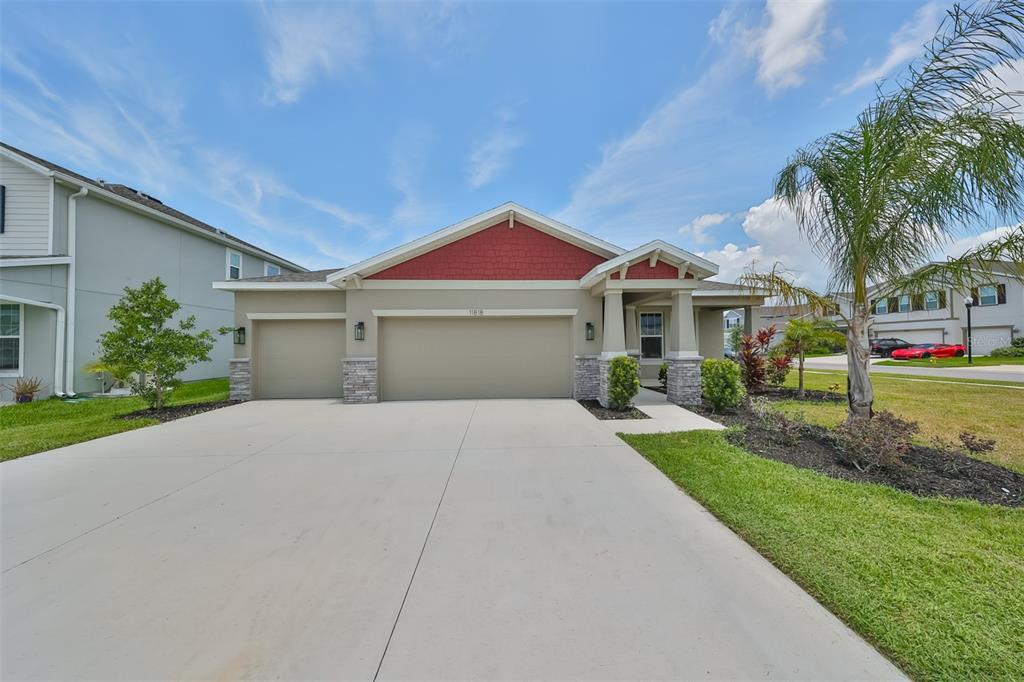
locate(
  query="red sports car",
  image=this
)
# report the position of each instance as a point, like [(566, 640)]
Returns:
[(930, 350)]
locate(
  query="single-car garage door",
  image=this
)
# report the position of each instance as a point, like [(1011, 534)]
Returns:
[(914, 336), (478, 357), (299, 358)]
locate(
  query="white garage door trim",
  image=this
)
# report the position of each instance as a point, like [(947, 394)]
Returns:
[(295, 316), (479, 312)]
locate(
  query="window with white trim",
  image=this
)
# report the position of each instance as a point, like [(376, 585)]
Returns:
[(881, 306), (234, 270), (11, 329), (931, 300), (904, 304), (651, 335), (988, 295), (270, 270)]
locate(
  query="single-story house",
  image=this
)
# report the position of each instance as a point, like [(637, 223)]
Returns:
[(506, 304)]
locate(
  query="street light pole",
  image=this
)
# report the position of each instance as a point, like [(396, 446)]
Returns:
[(969, 303)]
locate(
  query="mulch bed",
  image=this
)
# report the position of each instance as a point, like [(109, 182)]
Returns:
[(173, 412), (782, 393), (925, 471), (595, 409)]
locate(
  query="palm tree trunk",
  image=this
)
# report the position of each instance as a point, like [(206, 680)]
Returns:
[(800, 387), (859, 392)]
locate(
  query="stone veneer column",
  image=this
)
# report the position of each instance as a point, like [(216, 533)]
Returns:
[(240, 379), (684, 380), (359, 380), (683, 359), (586, 382)]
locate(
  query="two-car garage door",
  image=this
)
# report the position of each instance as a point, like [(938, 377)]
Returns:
[(424, 358)]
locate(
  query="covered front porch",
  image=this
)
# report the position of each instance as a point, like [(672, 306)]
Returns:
[(674, 322)]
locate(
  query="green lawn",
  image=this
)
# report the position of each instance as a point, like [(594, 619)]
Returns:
[(48, 424), (936, 585), (943, 408), (979, 361)]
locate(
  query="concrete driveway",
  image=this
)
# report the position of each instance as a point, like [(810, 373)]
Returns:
[(312, 540)]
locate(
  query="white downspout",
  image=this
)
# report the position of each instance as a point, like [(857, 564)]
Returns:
[(58, 359), (69, 373)]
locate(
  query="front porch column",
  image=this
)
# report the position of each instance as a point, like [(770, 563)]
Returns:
[(632, 333), (683, 359), (751, 319), (614, 341)]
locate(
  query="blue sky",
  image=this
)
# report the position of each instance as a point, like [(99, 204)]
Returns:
[(328, 133)]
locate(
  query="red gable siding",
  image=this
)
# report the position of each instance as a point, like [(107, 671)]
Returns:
[(643, 270), (498, 252)]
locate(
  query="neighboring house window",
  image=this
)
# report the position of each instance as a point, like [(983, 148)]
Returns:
[(270, 270), (988, 295), (650, 335), (10, 338), (931, 300), (881, 306), (904, 304), (234, 265)]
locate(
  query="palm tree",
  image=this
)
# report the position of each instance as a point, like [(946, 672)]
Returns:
[(939, 157), (804, 334)]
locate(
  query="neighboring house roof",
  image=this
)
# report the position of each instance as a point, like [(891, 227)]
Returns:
[(308, 276), (126, 193), (784, 310)]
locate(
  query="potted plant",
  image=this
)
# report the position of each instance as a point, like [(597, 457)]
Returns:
[(25, 389)]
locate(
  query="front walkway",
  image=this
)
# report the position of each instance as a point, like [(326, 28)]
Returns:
[(664, 417), (461, 539)]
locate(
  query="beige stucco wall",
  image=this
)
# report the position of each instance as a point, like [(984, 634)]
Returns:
[(710, 337), (362, 302)]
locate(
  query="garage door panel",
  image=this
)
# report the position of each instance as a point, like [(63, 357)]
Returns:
[(439, 358), (915, 336), (299, 358)]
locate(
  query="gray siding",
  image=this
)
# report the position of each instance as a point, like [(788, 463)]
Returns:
[(27, 227)]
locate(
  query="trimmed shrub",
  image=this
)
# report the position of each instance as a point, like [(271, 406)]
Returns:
[(1014, 351), (1017, 342), (878, 442), (721, 383), (663, 376), (623, 382)]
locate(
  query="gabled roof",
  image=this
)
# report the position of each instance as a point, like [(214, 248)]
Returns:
[(664, 251), (469, 226), (138, 200)]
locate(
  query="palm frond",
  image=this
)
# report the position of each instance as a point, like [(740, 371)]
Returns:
[(1004, 256), (777, 283)]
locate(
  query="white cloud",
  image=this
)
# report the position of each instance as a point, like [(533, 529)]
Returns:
[(410, 153), (639, 186), (905, 44), (698, 227), (489, 154), (306, 42), (961, 246), (789, 43), (775, 235)]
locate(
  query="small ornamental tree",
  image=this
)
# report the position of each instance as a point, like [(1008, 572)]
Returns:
[(144, 344), (805, 334), (623, 382)]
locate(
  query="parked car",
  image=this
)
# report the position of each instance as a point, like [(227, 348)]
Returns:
[(929, 350), (885, 347)]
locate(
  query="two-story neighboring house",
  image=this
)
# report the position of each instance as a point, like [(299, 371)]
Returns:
[(940, 316), (69, 245)]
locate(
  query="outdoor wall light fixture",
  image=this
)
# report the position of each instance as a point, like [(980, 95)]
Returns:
[(360, 331), (590, 331), (239, 336)]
